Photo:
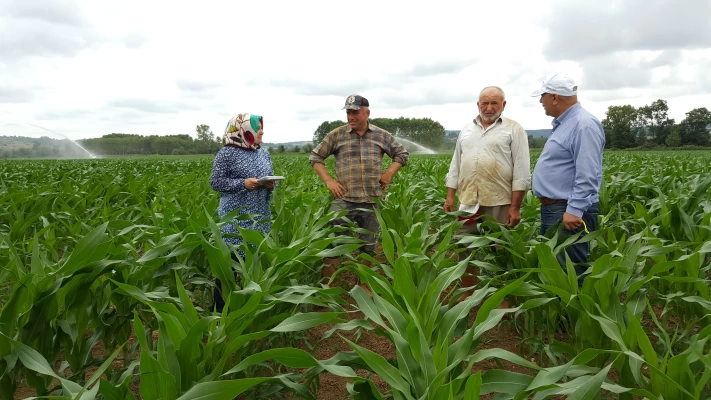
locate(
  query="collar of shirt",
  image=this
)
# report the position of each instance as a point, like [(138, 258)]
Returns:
[(349, 129), (477, 121), (557, 121)]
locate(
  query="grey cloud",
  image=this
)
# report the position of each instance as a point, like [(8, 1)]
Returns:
[(315, 114), (658, 92), (703, 84), (582, 29), (396, 92), (525, 80), (124, 116), (38, 40), (614, 72), (627, 80), (683, 83), (195, 86), (127, 115), (9, 94), (97, 117), (440, 67), (150, 106), (669, 88), (44, 28), (310, 88), (665, 59), (416, 73), (426, 98), (51, 11), (134, 40), (64, 114)]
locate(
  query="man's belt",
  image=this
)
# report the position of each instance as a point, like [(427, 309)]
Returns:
[(546, 201)]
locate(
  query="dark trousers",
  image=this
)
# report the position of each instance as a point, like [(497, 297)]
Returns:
[(551, 216), (219, 301), (365, 219)]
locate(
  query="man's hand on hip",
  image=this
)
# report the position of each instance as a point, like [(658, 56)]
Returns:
[(385, 179), (514, 217), (336, 188), (571, 222)]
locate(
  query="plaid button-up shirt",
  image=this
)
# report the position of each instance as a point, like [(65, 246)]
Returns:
[(359, 159)]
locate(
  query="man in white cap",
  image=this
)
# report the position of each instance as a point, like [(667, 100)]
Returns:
[(568, 172)]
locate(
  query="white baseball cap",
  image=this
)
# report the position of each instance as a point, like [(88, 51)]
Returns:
[(557, 83)]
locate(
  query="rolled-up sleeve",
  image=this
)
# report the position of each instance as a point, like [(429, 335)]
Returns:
[(587, 151), (219, 181), (321, 152), (520, 155), (397, 152)]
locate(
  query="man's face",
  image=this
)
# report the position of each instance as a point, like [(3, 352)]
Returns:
[(358, 119), (547, 100), (491, 105)]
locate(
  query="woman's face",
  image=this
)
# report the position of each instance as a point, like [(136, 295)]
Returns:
[(260, 133)]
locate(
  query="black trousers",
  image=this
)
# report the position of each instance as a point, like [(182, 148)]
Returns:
[(219, 301)]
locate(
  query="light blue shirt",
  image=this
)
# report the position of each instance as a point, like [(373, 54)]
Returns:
[(570, 165)]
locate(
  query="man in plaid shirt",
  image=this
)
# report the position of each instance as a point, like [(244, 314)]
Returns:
[(358, 148)]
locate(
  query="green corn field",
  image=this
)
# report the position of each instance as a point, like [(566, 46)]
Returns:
[(107, 271)]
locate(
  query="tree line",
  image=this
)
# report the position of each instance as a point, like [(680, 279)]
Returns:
[(625, 127), (650, 126), (424, 131), (125, 143), (114, 144)]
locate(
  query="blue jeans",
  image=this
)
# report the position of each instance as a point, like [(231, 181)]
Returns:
[(551, 216)]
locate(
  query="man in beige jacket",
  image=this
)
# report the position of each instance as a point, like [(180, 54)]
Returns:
[(490, 168)]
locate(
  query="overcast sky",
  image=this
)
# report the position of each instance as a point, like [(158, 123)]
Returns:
[(89, 68)]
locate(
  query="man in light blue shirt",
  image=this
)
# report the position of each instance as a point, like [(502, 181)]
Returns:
[(568, 173)]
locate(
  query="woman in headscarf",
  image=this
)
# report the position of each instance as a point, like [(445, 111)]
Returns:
[(235, 173)]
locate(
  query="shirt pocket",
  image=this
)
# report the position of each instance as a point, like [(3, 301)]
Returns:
[(500, 144), (373, 154)]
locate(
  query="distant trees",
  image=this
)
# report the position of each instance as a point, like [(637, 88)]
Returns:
[(650, 125), (423, 131), (694, 128), (126, 144), (674, 139), (291, 147), (620, 127), (207, 142), (324, 128), (113, 144), (654, 121), (536, 142)]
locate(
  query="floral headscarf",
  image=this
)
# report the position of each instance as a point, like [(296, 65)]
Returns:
[(242, 130)]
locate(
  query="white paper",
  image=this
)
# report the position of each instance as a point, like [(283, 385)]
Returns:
[(469, 208)]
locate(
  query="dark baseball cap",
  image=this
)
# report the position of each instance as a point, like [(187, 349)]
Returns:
[(355, 102)]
